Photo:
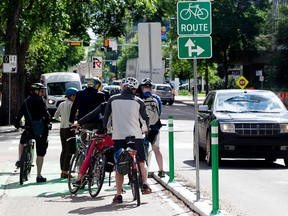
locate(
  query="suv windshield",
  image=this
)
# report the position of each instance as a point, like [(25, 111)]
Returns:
[(163, 88), (61, 87)]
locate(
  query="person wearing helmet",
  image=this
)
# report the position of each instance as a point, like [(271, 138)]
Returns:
[(34, 109), (153, 109), (127, 113), (87, 100), (62, 114)]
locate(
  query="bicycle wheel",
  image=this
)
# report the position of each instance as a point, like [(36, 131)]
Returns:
[(74, 168), (96, 174), (135, 185), (23, 166)]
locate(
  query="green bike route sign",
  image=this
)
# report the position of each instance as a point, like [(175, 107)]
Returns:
[(198, 47), (194, 17)]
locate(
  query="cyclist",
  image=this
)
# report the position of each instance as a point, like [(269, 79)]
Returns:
[(37, 110), (129, 118), (62, 114), (153, 108), (86, 101)]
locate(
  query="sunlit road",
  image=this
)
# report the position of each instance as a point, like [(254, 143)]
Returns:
[(246, 187)]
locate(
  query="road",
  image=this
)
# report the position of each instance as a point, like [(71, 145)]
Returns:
[(246, 187), (53, 198)]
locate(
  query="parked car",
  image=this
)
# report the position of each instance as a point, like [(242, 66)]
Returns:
[(165, 92), (110, 87), (251, 124)]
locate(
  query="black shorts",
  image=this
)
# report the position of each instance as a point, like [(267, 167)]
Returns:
[(41, 142), (139, 147)]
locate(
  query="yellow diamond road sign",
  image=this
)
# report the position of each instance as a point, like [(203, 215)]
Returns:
[(242, 82)]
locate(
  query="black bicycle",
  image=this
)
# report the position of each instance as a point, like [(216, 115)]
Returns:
[(82, 142), (134, 173), (26, 160)]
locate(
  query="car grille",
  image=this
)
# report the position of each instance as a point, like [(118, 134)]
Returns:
[(257, 129)]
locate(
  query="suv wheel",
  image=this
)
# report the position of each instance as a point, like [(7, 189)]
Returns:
[(171, 103)]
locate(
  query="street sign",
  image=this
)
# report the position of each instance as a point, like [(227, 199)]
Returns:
[(96, 66), (199, 47), (194, 17), (10, 64), (242, 82)]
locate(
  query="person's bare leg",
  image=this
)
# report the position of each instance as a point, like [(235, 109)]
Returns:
[(39, 164), (20, 150), (158, 157)]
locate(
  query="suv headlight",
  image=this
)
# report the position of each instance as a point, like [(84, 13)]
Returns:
[(227, 127), (50, 101), (283, 128)]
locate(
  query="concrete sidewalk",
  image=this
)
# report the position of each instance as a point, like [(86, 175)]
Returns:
[(188, 100)]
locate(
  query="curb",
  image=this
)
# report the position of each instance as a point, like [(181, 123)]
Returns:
[(202, 207)]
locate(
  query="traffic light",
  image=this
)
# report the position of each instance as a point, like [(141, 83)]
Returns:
[(106, 43), (75, 43)]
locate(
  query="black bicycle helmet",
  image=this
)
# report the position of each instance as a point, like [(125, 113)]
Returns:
[(146, 82), (37, 86)]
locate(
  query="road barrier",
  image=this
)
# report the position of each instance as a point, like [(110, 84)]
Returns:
[(171, 148), (215, 168)]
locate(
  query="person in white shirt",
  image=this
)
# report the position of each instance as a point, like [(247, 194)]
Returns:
[(68, 147)]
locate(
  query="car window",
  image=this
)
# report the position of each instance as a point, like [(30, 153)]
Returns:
[(209, 100), (248, 103), (163, 88)]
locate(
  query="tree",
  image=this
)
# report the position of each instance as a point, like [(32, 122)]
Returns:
[(21, 21), (236, 24)]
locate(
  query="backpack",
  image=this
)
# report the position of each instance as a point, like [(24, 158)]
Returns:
[(152, 109)]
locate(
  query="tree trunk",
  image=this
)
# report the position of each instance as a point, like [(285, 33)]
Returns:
[(13, 87)]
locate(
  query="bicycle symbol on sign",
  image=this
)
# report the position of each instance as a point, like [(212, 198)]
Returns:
[(201, 13)]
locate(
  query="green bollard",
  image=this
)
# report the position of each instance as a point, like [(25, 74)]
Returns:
[(171, 148), (215, 168)]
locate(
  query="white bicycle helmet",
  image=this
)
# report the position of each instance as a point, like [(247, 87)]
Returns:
[(146, 82), (131, 82)]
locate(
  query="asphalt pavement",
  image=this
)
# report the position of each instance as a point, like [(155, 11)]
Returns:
[(187, 195)]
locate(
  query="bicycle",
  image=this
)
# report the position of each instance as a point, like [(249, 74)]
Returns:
[(82, 145), (95, 174), (26, 160), (128, 156), (201, 13)]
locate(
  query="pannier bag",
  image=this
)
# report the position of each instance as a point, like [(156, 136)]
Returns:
[(121, 158)]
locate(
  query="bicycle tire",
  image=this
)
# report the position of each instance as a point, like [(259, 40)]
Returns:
[(96, 174), (23, 173), (74, 168), (135, 186)]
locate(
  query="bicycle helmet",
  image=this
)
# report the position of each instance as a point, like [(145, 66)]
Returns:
[(131, 82), (95, 82), (37, 86), (71, 91), (146, 82)]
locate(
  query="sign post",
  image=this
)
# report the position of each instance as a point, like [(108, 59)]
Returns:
[(194, 26), (9, 66)]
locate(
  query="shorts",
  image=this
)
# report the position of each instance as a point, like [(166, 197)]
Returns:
[(139, 147), (154, 137), (41, 142)]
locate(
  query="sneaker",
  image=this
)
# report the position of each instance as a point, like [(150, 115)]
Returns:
[(17, 164), (161, 174), (117, 199), (40, 179), (77, 183), (146, 189)]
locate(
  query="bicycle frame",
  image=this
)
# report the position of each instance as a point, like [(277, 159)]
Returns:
[(26, 161)]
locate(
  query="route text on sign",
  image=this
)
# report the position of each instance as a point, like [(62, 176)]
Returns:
[(194, 27)]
